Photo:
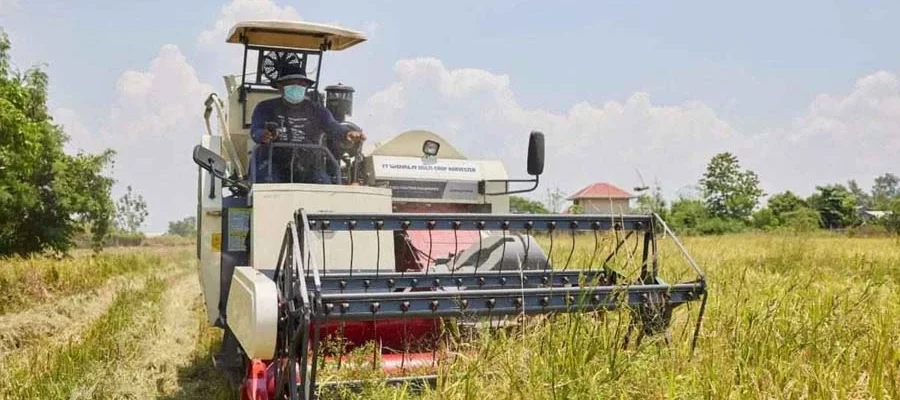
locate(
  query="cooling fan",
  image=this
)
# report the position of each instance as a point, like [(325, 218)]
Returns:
[(274, 61)]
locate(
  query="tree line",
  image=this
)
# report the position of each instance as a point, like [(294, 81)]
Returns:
[(729, 201)]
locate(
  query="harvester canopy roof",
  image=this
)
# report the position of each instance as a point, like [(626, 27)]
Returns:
[(295, 34)]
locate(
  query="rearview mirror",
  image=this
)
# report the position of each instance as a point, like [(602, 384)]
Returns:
[(210, 161), (535, 167), (536, 153)]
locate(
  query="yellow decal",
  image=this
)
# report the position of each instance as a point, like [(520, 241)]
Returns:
[(217, 242)]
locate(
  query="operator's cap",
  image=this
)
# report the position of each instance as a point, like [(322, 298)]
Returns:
[(293, 72)]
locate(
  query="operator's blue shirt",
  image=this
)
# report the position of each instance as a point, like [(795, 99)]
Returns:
[(298, 123)]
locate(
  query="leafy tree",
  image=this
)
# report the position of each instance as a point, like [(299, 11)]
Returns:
[(728, 191), (131, 210), (521, 205), (186, 227), (576, 209), (836, 206), (891, 222), (863, 199), (886, 188), (686, 215), (785, 202), (46, 195)]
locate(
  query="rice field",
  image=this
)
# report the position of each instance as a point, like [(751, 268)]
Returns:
[(789, 316)]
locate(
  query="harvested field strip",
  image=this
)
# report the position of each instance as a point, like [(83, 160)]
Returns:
[(82, 367), (198, 378), (25, 282), (59, 320), (167, 357)]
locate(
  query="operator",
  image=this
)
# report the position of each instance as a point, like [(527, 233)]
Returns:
[(293, 118)]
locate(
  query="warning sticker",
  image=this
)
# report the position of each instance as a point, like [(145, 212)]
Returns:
[(216, 242)]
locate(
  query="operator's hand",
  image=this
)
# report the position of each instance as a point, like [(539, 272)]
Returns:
[(356, 136), (269, 132), (268, 136)]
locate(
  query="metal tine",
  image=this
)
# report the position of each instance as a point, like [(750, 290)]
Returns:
[(351, 225), (480, 225), (404, 226), (572, 227), (528, 231), (455, 225), (431, 225), (324, 257), (551, 227), (378, 225), (505, 227)]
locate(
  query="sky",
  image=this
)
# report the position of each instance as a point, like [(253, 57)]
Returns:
[(630, 93)]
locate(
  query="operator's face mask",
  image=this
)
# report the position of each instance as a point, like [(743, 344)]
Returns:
[(294, 93)]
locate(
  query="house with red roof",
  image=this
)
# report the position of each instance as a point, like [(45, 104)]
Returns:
[(602, 198)]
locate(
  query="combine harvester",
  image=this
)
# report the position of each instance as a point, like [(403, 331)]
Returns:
[(415, 237)]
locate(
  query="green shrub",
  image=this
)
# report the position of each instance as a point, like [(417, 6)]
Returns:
[(720, 226), (803, 219)]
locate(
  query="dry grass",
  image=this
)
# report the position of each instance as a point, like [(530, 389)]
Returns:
[(28, 281), (79, 368), (789, 317)]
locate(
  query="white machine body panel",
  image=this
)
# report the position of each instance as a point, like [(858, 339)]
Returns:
[(209, 232), (274, 206), (253, 312), (440, 180)]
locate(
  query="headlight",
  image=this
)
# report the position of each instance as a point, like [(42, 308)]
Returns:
[(430, 148)]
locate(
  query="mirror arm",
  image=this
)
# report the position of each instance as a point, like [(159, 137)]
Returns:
[(483, 183), (212, 185)]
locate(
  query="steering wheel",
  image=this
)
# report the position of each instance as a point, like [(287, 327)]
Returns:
[(317, 156), (351, 155)]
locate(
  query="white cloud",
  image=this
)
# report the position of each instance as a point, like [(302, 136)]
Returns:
[(153, 124), (478, 112), (8, 6), (213, 38), (371, 28), (166, 97), (79, 135), (239, 10), (856, 136)]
